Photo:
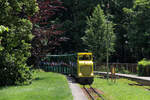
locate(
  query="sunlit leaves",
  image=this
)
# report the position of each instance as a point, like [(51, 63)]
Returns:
[(15, 41), (99, 34)]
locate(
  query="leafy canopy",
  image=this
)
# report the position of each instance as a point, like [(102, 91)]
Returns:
[(99, 34), (15, 37)]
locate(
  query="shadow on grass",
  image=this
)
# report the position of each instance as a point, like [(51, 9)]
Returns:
[(2, 87), (6, 86), (39, 78), (102, 77), (147, 89), (135, 84), (110, 77), (141, 85)]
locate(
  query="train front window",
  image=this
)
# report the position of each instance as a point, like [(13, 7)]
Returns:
[(85, 57)]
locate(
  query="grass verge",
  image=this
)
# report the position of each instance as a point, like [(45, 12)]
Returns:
[(123, 89), (46, 86)]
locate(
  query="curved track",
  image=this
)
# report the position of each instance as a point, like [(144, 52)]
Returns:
[(92, 93)]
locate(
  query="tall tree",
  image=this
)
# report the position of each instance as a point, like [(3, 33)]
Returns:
[(15, 42), (98, 32), (122, 51), (139, 29), (46, 29), (75, 22)]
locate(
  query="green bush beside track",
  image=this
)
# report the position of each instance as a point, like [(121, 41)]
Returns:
[(144, 67)]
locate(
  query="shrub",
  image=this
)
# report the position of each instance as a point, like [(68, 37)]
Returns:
[(14, 52), (15, 41), (144, 67)]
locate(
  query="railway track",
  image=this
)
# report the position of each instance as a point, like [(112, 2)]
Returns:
[(93, 94)]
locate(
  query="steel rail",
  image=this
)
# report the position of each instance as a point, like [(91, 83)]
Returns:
[(88, 93), (97, 93)]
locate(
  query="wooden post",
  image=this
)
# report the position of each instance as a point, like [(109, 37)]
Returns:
[(113, 76), (112, 69)]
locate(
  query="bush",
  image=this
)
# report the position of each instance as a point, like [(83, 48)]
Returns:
[(14, 52), (15, 41), (144, 67)]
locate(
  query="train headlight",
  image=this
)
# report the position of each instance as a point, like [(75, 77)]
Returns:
[(92, 74), (80, 74)]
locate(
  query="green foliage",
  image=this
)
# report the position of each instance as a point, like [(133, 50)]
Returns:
[(2, 29), (14, 55), (131, 18), (139, 28), (144, 63), (144, 67), (75, 22), (15, 41), (99, 34), (12, 10), (118, 17), (122, 70)]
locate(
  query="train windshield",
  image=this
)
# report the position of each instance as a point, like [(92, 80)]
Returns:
[(85, 57)]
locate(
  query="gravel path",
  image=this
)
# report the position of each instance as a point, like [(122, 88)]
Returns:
[(76, 90)]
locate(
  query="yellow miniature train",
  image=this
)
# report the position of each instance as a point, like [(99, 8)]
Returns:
[(79, 65), (85, 68)]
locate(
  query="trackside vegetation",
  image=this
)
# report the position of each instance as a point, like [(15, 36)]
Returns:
[(115, 31), (15, 38), (123, 89), (144, 67), (45, 86)]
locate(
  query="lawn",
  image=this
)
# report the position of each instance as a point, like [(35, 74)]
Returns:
[(46, 86), (123, 89)]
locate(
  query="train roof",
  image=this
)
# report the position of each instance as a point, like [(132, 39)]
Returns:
[(84, 53), (74, 54), (62, 55)]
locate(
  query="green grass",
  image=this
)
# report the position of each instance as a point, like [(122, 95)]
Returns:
[(46, 86), (121, 90)]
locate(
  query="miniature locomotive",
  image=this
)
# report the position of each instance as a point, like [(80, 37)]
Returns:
[(79, 65)]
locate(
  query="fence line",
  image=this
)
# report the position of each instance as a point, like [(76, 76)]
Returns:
[(131, 67)]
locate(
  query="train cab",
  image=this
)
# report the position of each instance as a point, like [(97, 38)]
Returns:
[(85, 68)]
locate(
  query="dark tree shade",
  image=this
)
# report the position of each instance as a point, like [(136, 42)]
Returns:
[(46, 28)]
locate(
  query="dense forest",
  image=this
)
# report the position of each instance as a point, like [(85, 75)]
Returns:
[(30, 29), (128, 19)]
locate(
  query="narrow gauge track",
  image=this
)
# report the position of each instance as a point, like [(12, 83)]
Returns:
[(91, 91)]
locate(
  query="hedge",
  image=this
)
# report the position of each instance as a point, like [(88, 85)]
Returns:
[(144, 67)]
